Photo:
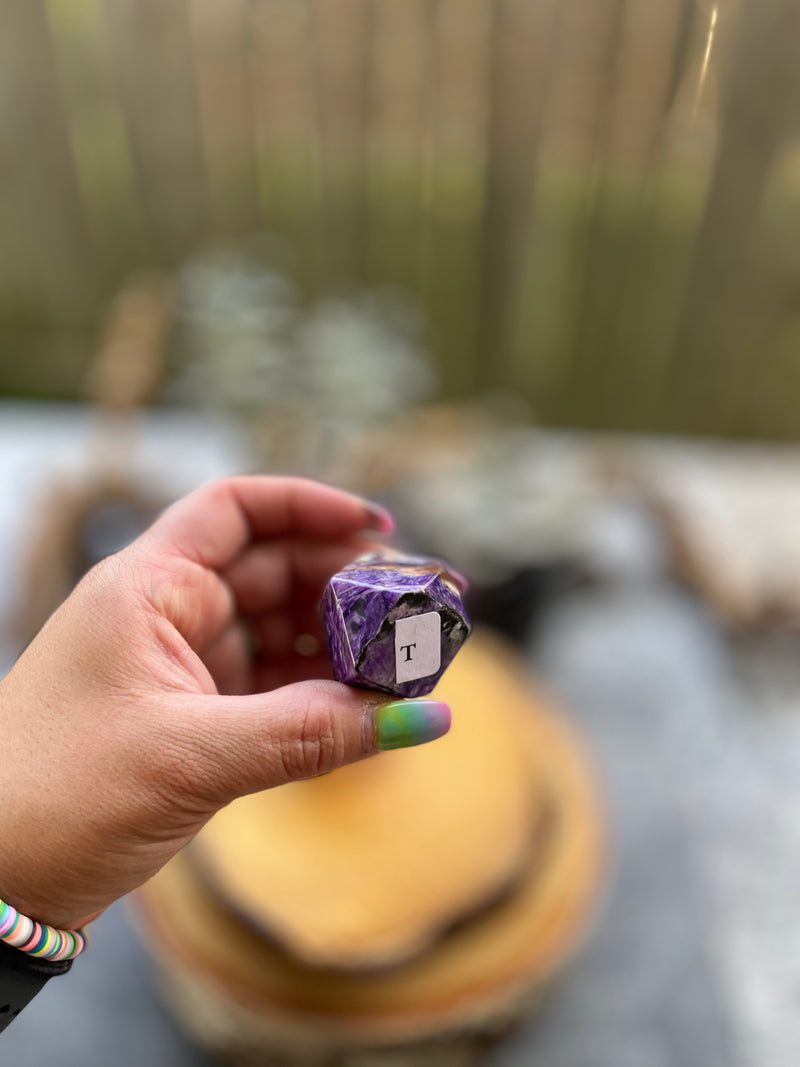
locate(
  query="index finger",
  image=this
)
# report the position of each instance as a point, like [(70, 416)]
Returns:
[(212, 525)]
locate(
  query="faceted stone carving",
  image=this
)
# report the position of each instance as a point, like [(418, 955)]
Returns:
[(394, 623)]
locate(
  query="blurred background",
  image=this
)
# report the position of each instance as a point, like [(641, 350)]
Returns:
[(526, 271), (593, 205)]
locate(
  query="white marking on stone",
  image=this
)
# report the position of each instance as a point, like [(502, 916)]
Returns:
[(417, 646)]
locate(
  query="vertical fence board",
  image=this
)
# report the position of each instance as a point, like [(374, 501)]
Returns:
[(723, 325), (343, 31), (220, 47), (454, 184), (152, 50), (564, 198), (395, 145), (679, 156), (635, 109), (281, 74), (520, 71), (97, 129), (657, 239), (774, 383), (47, 254)]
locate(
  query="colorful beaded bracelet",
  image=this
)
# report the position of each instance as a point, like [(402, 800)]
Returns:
[(39, 939)]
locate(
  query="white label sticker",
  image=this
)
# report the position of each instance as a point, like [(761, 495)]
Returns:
[(417, 646)]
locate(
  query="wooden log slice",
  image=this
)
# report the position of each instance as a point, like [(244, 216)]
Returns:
[(241, 995), (365, 867)]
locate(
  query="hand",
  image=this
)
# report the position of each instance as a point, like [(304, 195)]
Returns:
[(168, 684)]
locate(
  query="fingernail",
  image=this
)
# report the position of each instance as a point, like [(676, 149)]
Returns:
[(379, 517), (461, 580), (403, 723)]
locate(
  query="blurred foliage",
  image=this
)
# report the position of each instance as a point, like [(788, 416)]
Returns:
[(307, 378), (593, 202)]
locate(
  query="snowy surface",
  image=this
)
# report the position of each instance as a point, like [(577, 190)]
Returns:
[(694, 958)]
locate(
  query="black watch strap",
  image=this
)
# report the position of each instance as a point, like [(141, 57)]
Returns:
[(21, 978)]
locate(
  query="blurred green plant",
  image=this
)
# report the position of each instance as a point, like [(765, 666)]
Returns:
[(306, 377)]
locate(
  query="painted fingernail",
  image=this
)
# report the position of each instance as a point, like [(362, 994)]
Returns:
[(379, 517), (403, 723)]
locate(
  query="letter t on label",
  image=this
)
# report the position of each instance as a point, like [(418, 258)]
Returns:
[(417, 646)]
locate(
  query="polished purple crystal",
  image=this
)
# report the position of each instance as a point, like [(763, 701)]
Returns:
[(361, 607)]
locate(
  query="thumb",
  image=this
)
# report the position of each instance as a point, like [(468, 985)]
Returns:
[(307, 729)]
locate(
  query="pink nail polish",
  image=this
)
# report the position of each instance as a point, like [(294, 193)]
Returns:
[(379, 518)]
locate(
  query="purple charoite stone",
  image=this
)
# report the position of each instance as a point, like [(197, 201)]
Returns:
[(394, 623)]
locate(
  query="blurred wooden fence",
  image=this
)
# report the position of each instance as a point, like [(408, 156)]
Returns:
[(597, 202)]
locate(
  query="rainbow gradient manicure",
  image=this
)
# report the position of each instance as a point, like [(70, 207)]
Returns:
[(403, 723)]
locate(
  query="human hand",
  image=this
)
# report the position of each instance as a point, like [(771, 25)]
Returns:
[(168, 684)]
